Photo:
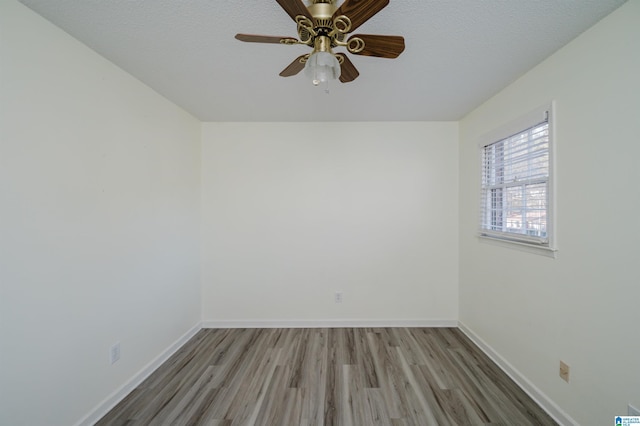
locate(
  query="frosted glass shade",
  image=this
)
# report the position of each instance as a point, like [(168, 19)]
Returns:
[(322, 67)]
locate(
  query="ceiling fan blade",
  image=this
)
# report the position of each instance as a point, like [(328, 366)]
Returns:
[(253, 38), (295, 8), (294, 67), (381, 46), (360, 11), (348, 71)]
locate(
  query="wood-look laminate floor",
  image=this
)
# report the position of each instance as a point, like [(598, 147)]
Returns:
[(362, 376)]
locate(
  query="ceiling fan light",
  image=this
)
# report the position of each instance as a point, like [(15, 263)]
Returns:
[(322, 67)]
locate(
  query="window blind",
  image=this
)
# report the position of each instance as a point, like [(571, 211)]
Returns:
[(515, 186)]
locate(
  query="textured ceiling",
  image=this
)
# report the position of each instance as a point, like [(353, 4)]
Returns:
[(458, 54)]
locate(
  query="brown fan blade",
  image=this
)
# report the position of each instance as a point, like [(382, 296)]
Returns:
[(360, 11), (295, 8), (253, 38), (381, 46), (294, 67), (348, 71)]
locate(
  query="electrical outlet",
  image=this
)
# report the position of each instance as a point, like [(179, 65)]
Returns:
[(632, 411), (114, 353), (338, 297), (564, 371)]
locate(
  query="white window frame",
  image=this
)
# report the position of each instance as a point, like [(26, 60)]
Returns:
[(548, 245)]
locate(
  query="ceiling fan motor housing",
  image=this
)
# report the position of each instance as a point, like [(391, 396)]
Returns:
[(322, 24)]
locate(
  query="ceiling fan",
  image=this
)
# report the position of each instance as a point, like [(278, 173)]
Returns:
[(324, 26)]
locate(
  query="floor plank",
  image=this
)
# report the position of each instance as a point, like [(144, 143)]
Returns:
[(322, 377)]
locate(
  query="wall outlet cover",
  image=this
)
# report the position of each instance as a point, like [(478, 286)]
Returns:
[(564, 371), (114, 353)]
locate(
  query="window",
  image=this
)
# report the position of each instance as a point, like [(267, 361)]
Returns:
[(517, 182)]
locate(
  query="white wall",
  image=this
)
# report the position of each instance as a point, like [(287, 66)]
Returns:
[(290, 217), (99, 222), (583, 306)]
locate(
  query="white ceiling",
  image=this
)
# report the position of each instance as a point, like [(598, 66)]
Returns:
[(458, 54)]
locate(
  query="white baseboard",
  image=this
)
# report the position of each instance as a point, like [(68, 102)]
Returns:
[(345, 323), (112, 400), (525, 384)]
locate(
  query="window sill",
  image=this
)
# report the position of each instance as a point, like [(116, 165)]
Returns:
[(521, 246)]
